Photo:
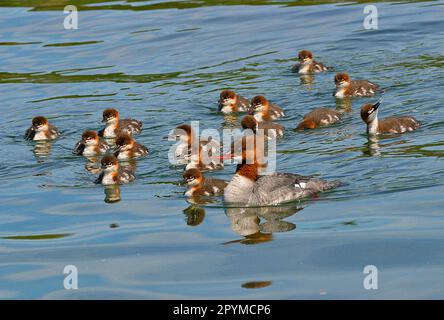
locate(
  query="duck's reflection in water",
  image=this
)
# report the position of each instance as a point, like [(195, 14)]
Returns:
[(130, 164), (257, 225), (307, 80), (92, 164), (344, 104), (230, 121), (371, 147), (42, 149), (194, 214), (200, 200), (112, 193), (111, 142)]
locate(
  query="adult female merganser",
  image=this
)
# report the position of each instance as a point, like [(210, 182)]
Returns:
[(271, 129), (41, 130), (249, 189), (114, 126), (90, 145), (113, 173), (128, 148), (369, 114), (230, 102), (319, 117), (345, 87), (308, 65), (255, 223), (198, 185), (263, 111)]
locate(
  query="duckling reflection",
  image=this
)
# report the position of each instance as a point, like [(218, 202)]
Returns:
[(195, 215), (42, 149), (230, 121), (344, 104), (92, 164), (307, 80), (111, 142), (247, 222), (112, 193), (371, 147), (130, 164)]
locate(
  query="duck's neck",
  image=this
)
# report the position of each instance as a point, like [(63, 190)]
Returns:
[(192, 189), (262, 116), (91, 149), (110, 177), (111, 130), (305, 67), (249, 171), (240, 188), (372, 126), (342, 91)]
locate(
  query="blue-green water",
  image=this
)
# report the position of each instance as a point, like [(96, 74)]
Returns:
[(164, 63)]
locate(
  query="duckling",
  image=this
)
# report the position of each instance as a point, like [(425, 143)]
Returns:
[(198, 185), (41, 130), (128, 148)]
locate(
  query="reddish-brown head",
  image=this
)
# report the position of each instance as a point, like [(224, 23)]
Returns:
[(183, 132), (306, 124), (192, 177), (39, 121), (341, 79), (109, 162), (124, 142), (369, 111), (247, 153), (305, 56), (249, 171), (90, 136), (259, 103), (226, 99), (110, 115), (248, 166), (249, 122), (227, 95)]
